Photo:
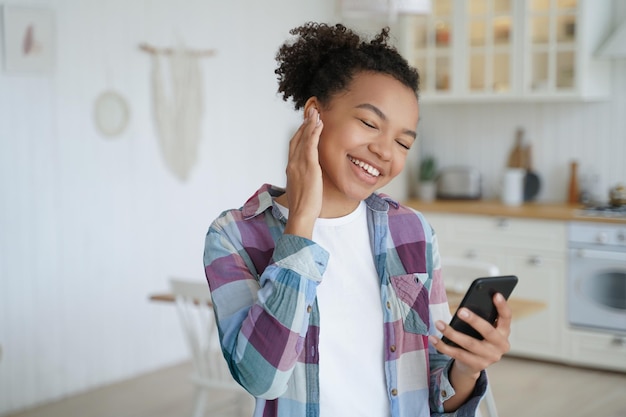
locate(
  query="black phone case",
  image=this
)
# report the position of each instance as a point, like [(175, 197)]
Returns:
[(479, 299)]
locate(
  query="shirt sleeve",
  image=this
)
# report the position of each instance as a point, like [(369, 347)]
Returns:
[(262, 320), (441, 388)]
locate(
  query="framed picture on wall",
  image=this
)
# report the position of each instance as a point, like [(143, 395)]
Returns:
[(28, 39)]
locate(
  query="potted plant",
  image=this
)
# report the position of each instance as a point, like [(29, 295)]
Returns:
[(427, 176)]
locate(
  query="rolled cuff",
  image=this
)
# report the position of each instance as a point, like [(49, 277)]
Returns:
[(301, 255), (446, 391)]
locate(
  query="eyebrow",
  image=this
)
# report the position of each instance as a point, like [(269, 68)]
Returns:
[(382, 115)]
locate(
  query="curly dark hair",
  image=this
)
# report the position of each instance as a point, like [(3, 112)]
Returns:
[(323, 59)]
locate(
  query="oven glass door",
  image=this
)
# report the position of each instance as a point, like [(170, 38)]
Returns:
[(597, 289)]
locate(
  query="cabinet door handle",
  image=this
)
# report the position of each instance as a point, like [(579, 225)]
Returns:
[(618, 341), (535, 260)]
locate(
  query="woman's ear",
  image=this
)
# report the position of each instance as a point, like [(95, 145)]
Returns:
[(311, 102)]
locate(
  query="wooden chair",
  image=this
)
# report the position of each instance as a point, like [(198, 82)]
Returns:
[(210, 372), (458, 274)]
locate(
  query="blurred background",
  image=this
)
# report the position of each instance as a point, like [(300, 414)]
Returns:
[(91, 224), (99, 208)]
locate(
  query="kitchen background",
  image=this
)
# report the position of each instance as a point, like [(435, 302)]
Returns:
[(481, 135), (91, 225)]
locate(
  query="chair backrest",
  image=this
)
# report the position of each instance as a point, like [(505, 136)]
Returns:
[(193, 303), (458, 273)]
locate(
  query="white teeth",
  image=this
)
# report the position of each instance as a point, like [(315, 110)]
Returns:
[(370, 169)]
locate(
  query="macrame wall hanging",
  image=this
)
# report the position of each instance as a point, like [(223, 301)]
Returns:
[(177, 104)]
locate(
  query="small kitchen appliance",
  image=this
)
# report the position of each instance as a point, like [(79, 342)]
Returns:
[(459, 183)]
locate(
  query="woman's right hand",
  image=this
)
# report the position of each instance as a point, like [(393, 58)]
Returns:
[(304, 177)]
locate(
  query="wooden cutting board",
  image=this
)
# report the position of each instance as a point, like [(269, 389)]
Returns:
[(518, 157), (521, 307)]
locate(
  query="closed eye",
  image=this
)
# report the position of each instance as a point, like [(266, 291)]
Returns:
[(403, 145), (368, 124)]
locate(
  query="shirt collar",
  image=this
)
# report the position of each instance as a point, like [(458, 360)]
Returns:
[(263, 199), (381, 202)]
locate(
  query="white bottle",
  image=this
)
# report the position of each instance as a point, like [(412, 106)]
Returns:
[(513, 186)]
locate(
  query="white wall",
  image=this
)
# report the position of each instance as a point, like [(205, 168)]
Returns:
[(89, 226)]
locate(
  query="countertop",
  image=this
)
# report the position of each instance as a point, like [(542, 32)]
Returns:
[(534, 210)]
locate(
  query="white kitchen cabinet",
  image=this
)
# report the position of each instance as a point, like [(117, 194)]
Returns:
[(535, 251), (601, 350), (534, 50), (541, 278)]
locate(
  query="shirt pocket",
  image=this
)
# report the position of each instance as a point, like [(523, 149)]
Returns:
[(413, 299)]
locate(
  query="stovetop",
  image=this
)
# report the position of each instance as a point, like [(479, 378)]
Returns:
[(604, 211)]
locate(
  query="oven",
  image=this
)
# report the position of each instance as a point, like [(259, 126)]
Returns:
[(596, 282)]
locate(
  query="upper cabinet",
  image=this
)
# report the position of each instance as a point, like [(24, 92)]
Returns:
[(535, 50)]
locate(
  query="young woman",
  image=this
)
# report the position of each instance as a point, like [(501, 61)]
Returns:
[(328, 296)]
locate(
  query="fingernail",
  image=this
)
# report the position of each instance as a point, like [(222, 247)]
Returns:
[(440, 325), (463, 313), (499, 297), (318, 120), (433, 340)]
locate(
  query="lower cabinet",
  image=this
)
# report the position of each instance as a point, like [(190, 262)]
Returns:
[(535, 251), (541, 278), (597, 349)]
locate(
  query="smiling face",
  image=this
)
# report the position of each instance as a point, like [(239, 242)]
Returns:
[(368, 131)]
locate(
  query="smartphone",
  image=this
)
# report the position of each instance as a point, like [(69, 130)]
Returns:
[(479, 299)]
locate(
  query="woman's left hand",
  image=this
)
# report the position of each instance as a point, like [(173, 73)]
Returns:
[(473, 355)]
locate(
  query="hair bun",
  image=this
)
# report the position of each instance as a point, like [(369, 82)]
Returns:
[(322, 60)]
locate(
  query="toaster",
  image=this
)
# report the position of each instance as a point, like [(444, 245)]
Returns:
[(459, 183)]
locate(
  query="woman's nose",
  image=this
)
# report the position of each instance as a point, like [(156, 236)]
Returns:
[(382, 148)]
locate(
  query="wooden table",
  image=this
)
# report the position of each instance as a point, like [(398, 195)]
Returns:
[(165, 297), (521, 307)]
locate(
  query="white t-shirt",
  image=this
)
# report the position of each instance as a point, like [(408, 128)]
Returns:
[(351, 347)]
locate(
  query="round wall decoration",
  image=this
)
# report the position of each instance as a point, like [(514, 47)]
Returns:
[(111, 113)]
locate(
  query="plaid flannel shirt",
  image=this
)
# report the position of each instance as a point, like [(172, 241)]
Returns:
[(263, 284)]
